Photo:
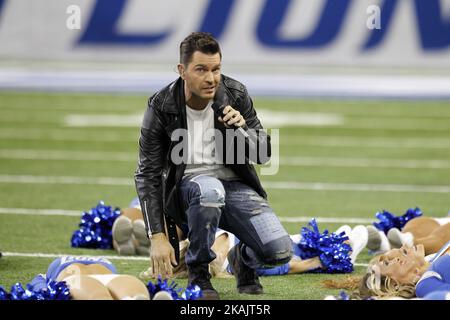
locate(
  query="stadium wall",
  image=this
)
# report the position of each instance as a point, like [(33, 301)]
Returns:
[(279, 33), (288, 48)]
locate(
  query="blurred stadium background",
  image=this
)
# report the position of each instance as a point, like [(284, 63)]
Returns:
[(364, 115)]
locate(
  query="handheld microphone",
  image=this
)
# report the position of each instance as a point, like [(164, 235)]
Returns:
[(218, 110)]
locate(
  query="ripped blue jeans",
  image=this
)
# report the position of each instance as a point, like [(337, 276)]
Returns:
[(210, 203)]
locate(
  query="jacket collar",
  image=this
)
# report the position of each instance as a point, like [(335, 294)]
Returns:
[(175, 100), (221, 94)]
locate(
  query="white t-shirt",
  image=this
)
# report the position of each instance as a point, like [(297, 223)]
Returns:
[(201, 146), (202, 155)]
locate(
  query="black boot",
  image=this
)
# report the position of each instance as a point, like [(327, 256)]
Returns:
[(199, 275), (246, 278)]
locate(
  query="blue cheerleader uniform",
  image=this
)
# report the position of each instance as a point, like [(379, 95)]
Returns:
[(59, 264), (435, 282), (284, 268)]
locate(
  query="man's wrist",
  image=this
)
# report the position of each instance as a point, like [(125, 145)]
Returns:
[(156, 236)]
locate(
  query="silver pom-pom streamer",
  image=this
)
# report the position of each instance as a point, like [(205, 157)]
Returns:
[(191, 292), (3, 294), (52, 291), (389, 221), (333, 253), (96, 228)]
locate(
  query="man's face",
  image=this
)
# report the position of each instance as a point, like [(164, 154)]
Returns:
[(202, 75)]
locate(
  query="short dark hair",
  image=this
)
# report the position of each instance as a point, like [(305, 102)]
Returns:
[(198, 41)]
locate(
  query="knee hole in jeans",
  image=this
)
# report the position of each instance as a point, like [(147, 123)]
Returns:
[(214, 197)]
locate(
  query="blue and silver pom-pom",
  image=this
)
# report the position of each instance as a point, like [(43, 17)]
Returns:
[(389, 221), (3, 294), (191, 292), (52, 291), (344, 296), (333, 253), (57, 290), (341, 296), (96, 228)]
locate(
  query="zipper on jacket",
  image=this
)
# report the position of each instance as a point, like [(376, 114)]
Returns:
[(146, 217)]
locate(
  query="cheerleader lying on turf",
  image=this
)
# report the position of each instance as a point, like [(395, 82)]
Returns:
[(432, 233), (92, 278), (404, 273), (335, 255), (130, 226)]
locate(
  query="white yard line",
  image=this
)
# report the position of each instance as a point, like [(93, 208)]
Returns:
[(284, 185), (350, 142), (277, 119), (42, 212), (56, 255), (271, 119), (328, 220), (364, 162), (83, 155), (86, 155), (110, 181), (286, 140), (77, 213), (325, 186), (361, 264), (397, 125), (76, 134), (103, 120)]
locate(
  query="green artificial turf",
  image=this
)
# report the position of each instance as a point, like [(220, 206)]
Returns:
[(33, 129)]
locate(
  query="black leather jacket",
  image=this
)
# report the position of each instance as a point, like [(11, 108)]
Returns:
[(157, 177)]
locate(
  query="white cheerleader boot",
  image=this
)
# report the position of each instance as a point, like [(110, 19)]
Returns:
[(143, 247), (399, 239), (359, 236), (377, 243), (122, 234)]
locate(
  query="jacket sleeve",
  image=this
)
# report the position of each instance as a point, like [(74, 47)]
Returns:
[(259, 141), (148, 175)]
